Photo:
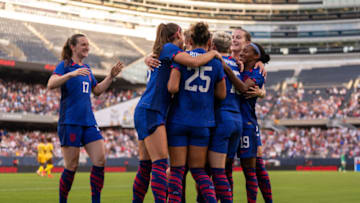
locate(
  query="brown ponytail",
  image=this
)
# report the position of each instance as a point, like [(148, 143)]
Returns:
[(66, 53), (165, 33)]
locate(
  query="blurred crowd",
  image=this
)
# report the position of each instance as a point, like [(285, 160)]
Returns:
[(293, 142), (302, 103), (313, 142), (118, 143), (19, 97)]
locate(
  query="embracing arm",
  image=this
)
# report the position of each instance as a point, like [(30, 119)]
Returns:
[(220, 90), (174, 81), (238, 84), (185, 59)]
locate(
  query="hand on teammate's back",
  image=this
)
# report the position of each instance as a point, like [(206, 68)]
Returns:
[(261, 65), (152, 61), (115, 70), (80, 71)]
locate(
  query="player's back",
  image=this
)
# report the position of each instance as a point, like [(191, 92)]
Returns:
[(231, 102), (49, 148), (156, 96), (193, 105)]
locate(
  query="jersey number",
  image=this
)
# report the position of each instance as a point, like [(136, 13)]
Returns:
[(85, 87), (199, 72), (232, 90), (244, 142)]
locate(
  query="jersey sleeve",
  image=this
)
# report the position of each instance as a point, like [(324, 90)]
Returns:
[(170, 50), (60, 69), (177, 66)]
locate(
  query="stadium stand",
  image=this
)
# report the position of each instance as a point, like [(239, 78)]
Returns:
[(32, 46), (46, 45), (333, 76), (313, 142), (278, 76)]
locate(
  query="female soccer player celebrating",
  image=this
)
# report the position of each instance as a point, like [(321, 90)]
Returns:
[(151, 112), (240, 39), (249, 56), (226, 136), (191, 115), (77, 125)]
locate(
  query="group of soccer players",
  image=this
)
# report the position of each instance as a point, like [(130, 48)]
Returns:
[(45, 153), (198, 110)]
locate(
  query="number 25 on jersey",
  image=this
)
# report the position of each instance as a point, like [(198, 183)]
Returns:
[(199, 72)]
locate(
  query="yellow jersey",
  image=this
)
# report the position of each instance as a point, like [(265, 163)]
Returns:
[(49, 150), (41, 149)]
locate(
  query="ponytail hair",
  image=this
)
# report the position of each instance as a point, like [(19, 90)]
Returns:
[(66, 53), (165, 33), (200, 33), (264, 57)]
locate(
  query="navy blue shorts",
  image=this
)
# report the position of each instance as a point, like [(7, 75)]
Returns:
[(249, 143), (146, 121), (181, 135), (226, 136), (77, 135)]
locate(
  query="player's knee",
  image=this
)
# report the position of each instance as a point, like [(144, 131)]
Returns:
[(100, 161), (72, 166)]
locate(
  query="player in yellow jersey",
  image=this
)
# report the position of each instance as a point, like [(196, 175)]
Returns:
[(41, 157), (48, 156)]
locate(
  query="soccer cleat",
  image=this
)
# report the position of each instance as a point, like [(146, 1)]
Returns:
[(50, 176)]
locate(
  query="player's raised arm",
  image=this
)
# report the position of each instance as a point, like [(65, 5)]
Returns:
[(103, 85), (238, 84)]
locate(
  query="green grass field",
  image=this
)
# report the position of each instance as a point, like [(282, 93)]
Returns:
[(288, 186)]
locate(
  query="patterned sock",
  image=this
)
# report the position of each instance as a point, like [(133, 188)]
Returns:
[(222, 187), (205, 184), (175, 183), (159, 180), (251, 184), (141, 182), (229, 173), (263, 180), (96, 182), (183, 195), (66, 181)]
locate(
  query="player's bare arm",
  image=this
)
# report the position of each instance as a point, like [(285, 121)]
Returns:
[(174, 81), (238, 84), (185, 59), (103, 85), (255, 91), (56, 81)]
